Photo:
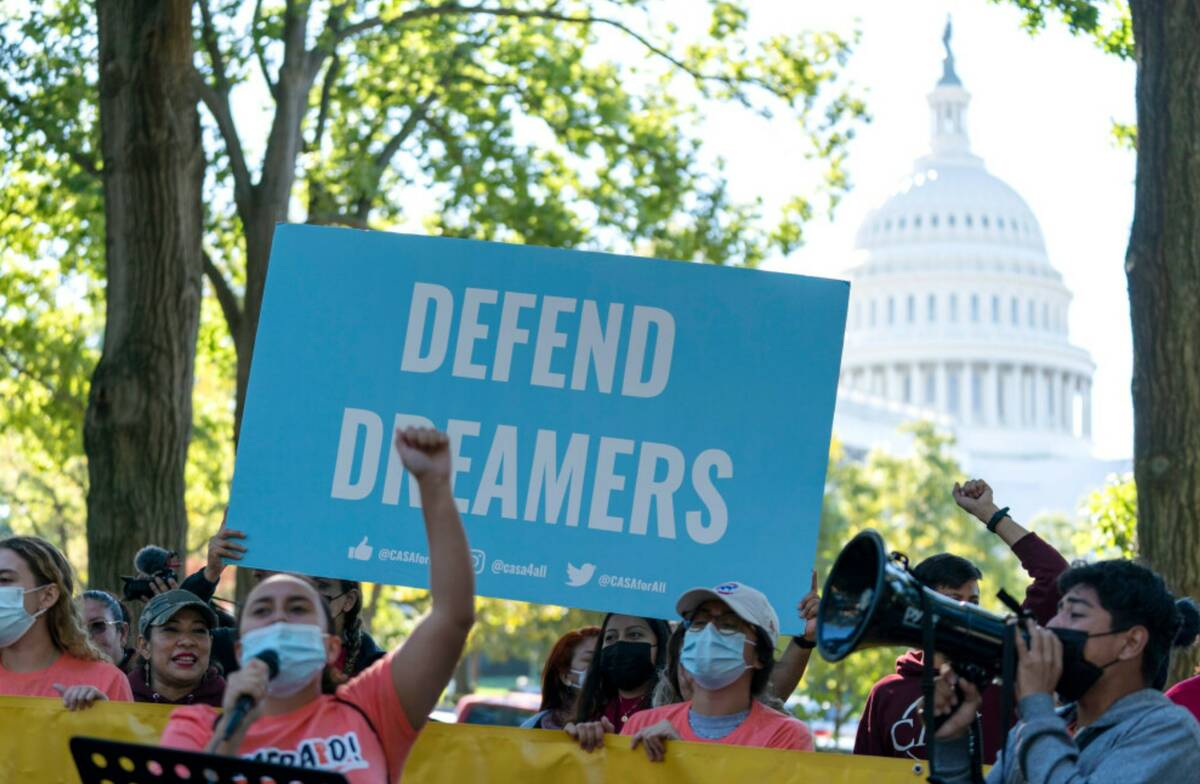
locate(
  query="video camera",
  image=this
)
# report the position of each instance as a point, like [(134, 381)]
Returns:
[(155, 562)]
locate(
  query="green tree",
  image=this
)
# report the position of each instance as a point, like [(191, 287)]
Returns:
[(1111, 520), (908, 501), (504, 630), (1162, 266), (571, 124)]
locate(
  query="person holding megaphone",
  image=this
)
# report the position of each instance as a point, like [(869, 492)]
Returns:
[(891, 723), (1117, 725), (275, 708)]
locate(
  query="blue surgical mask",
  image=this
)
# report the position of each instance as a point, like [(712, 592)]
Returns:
[(14, 620), (714, 660), (301, 651)]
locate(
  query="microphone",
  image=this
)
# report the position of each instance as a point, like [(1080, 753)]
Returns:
[(244, 701)]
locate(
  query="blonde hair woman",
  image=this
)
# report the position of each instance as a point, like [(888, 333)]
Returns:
[(44, 650)]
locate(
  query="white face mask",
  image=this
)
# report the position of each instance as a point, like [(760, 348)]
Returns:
[(14, 620), (575, 678), (301, 651)]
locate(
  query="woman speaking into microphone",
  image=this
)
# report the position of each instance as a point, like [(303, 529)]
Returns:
[(366, 727)]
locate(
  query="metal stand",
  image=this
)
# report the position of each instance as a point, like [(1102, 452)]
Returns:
[(114, 762)]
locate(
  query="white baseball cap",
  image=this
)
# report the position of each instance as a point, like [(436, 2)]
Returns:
[(749, 604)]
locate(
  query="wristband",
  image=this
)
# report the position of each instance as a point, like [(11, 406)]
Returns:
[(996, 518), (803, 644)]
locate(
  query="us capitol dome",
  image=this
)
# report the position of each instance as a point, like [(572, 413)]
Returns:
[(957, 315)]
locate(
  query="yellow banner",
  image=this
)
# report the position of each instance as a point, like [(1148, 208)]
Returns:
[(463, 752), (34, 735)]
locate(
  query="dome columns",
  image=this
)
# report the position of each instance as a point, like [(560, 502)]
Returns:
[(984, 394)]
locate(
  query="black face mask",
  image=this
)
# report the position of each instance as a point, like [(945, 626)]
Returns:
[(627, 664), (1078, 675)]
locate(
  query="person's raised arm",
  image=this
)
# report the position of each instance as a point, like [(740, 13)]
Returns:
[(793, 662), (1038, 558), (975, 498), (424, 663)]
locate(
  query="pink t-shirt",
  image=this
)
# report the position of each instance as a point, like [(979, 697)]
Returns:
[(763, 728), (67, 670), (326, 733)]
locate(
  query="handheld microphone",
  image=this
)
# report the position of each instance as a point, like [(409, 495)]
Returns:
[(244, 701)]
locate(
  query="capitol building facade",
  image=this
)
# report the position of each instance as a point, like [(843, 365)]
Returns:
[(958, 316)]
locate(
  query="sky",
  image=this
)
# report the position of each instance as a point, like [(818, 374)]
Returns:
[(1040, 116)]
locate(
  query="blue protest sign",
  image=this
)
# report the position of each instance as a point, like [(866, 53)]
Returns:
[(623, 429)]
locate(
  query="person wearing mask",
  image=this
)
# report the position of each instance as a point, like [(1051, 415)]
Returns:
[(44, 649), (1115, 725), (345, 597), (725, 658), (675, 687), (891, 723), (727, 655), (620, 680), (174, 643), (359, 650), (563, 677), (107, 625), (366, 728)]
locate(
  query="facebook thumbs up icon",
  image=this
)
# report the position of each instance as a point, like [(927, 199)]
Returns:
[(362, 552)]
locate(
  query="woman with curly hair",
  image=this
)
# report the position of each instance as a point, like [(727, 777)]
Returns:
[(44, 650)]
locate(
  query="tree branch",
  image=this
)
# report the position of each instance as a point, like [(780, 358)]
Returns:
[(218, 107), (208, 32), (225, 296), (384, 158), (259, 53), (331, 74), (450, 9)]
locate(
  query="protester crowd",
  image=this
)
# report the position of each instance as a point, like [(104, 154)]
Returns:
[(322, 693)]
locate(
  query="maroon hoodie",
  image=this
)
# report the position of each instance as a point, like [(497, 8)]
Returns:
[(210, 691), (891, 723)]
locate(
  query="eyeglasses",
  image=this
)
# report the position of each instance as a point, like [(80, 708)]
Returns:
[(98, 628), (727, 624)]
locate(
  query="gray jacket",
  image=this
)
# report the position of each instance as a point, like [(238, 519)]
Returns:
[(1142, 737)]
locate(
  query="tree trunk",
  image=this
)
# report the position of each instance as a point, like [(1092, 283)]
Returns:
[(1163, 269), (139, 414)]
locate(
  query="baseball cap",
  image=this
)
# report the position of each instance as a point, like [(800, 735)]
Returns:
[(748, 603), (164, 606)]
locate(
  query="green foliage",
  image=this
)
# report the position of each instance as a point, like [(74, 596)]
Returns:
[(572, 124), (522, 130), (1107, 22), (1111, 520), (908, 501)]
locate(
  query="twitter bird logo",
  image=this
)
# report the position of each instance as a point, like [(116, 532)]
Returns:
[(580, 575)]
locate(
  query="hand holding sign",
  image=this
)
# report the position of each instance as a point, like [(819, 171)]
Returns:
[(425, 452)]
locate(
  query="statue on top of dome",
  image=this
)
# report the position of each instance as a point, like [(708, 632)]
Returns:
[(948, 74)]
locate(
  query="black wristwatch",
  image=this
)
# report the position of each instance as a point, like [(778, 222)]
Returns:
[(803, 644), (996, 518)]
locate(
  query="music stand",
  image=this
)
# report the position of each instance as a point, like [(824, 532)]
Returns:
[(113, 762)]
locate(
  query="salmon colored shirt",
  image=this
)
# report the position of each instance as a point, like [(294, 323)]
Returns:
[(326, 733), (763, 728), (67, 670)]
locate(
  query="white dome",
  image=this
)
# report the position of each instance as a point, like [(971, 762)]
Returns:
[(952, 202), (955, 309)]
